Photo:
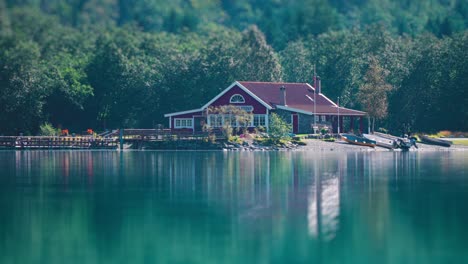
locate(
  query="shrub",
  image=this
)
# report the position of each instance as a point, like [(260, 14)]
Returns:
[(444, 133), (383, 130), (234, 139), (227, 130), (259, 129), (279, 129), (230, 113), (212, 138), (47, 129)]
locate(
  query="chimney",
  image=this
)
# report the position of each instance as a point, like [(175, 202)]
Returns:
[(315, 82), (283, 96), (318, 89)]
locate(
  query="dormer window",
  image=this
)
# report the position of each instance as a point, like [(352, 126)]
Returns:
[(237, 99)]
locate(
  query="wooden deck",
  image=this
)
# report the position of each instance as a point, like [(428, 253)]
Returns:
[(40, 142), (112, 140)]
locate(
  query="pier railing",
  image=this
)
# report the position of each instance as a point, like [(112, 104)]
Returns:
[(110, 141), (168, 135), (44, 142)]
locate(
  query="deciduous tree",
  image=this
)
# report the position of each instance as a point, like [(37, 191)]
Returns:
[(373, 93)]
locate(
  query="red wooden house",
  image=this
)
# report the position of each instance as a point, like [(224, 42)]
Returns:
[(297, 103)]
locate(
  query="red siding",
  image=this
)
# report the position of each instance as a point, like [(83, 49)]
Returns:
[(249, 100)]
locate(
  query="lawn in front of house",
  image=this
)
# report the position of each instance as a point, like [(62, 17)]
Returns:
[(460, 141)]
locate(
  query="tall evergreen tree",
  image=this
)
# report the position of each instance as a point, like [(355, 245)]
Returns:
[(259, 61)]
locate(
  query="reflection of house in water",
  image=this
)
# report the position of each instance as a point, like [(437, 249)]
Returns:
[(324, 208), (274, 188)]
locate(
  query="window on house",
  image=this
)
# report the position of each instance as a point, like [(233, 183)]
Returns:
[(247, 108), (316, 118), (183, 123), (230, 119), (324, 118), (237, 99), (216, 120), (233, 121), (259, 120), (247, 123)]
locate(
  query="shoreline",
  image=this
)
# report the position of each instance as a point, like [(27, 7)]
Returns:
[(311, 145), (315, 144)]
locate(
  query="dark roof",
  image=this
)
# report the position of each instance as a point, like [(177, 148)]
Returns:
[(298, 95)]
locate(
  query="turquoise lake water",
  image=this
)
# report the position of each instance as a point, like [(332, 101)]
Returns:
[(233, 207)]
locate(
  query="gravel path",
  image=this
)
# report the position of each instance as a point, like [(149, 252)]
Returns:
[(315, 144)]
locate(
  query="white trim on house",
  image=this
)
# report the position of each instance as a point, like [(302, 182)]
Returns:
[(236, 83), (321, 94), (328, 99), (183, 112), (341, 114), (310, 98), (267, 121), (360, 113), (294, 110), (353, 110), (242, 101), (311, 87), (320, 113)]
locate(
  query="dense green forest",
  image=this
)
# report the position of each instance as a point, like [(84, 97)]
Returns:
[(100, 64)]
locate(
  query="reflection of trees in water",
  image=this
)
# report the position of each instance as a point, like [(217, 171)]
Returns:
[(215, 205), (428, 206)]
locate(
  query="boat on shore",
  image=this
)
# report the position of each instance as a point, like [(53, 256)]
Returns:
[(381, 141), (406, 144), (387, 136), (356, 140), (403, 143), (435, 141)]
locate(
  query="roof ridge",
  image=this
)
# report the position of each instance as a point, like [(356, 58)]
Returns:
[(273, 82)]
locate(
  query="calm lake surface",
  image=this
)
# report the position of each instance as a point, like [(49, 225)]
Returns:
[(233, 207)]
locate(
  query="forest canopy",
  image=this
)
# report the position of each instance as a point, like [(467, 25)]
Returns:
[(103, 64)]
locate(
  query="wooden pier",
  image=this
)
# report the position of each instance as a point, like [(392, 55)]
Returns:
[(135, 138), (40, 142)]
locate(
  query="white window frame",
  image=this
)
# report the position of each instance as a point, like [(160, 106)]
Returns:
[(231, 119), (317, 118), (183, 122), (324, 118), (237, 102), (221, 119), (218, 120), (257, 117), (247, 108), (250, 124)]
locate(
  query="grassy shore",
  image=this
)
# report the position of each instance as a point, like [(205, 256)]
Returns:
[(461, 141)]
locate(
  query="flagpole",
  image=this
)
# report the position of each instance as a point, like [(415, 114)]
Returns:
[(338, 115), (315, 100)]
